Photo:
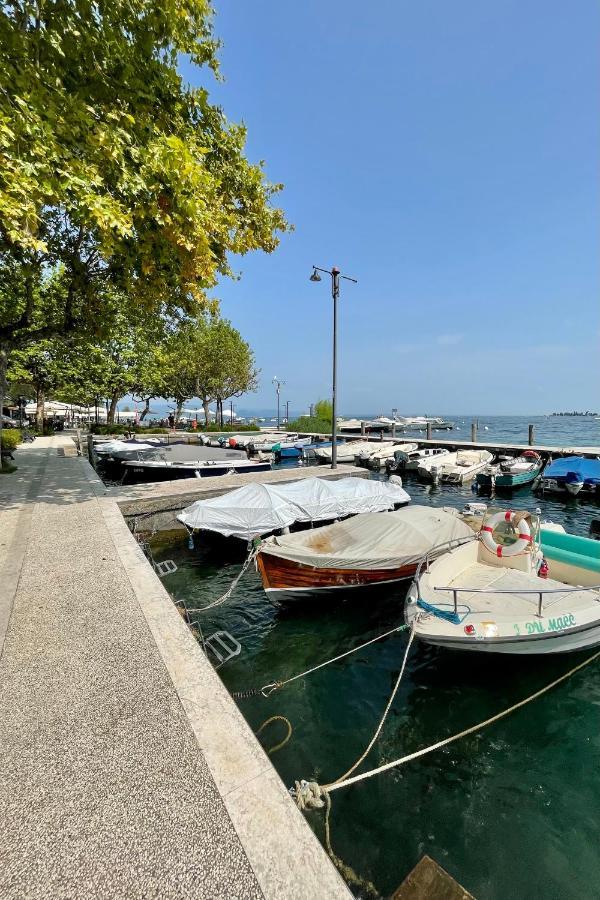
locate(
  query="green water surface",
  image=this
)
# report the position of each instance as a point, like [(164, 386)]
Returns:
[(512, 811)]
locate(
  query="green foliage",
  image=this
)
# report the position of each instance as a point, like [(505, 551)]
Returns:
[(310, 424), (11, 438), (209, 359), (324, 410), (113, 170)]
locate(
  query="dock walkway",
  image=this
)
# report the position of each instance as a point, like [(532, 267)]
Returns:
[(127, 770)]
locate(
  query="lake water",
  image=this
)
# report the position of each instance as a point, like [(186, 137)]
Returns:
[(512, 811)]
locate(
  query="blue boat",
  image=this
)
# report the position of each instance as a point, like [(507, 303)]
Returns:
[(286, 452), (572, 475)]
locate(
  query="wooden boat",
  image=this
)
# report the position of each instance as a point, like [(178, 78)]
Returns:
[(368, 550), (512, 473), (498, 593)]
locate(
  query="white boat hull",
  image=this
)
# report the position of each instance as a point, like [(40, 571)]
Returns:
[(569, 641)]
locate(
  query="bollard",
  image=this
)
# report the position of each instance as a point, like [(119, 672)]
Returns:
[(362, 429), (531, 435), (429, 431), (473, 432)]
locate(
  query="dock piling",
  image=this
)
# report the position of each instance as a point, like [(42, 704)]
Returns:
[(429, 431), (393, 431), (531, 435), (473, 432), (362, 429)]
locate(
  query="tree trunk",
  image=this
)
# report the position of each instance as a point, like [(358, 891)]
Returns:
[(145, 410), (114, 399), (3, 370), (220, 411), (40, 399), (178, 412), (206, 411)]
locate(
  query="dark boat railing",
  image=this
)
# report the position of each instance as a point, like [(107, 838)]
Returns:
[(540, 594)]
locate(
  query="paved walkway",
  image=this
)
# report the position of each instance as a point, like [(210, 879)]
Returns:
[(127, 770)]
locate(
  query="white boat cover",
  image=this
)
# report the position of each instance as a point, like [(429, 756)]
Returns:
[(117, 446), (258, 509), (384, 540)]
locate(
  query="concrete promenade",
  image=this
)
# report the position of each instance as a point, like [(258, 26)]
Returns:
[(126, 769)]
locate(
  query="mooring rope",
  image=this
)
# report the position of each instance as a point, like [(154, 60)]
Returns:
[(286, 738), (251, 556), (314, 790), (268, 689), (328, 787)]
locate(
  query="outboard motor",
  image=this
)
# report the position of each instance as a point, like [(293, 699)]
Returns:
[(573, 483)]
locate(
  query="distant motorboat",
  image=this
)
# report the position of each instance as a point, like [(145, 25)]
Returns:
[(455, 468), (572, 475), (405, 460), (377, 456), (512, 473), (348, 451)]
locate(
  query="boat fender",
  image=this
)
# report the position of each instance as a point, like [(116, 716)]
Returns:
[(522, 543), (543, 569)]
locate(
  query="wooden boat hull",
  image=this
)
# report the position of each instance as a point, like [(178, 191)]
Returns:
[(285, 579)]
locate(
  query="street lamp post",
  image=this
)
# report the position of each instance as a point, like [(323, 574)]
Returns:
[(287, 412), (278, 385), (335, 293)]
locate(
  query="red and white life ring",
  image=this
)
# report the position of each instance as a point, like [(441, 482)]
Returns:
[(522, 543)]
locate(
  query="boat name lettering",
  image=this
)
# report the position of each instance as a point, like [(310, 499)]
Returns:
[(558, 624)]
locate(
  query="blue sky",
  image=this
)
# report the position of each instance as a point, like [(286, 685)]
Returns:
[(446, 155)]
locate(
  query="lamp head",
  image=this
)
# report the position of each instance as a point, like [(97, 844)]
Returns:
[(315, 276)]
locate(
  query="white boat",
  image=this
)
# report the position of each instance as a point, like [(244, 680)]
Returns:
[(350, 426), (410, 460), (464, 467), (420, 423), (348, 451), (497, 592), (428, 467), (260, 509), (379, 455), (117, 449)]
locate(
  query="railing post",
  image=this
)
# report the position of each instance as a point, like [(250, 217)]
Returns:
[(455, 593), (539, 612)]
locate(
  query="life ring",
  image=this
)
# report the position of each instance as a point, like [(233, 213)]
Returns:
[(522, 543)]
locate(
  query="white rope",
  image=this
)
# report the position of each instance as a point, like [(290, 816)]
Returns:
[(251, 556), (329, 787), (461, 734), (275, 685)]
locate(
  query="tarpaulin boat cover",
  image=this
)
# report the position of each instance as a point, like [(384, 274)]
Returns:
[(587, 469), (385, 540), (258, 509)]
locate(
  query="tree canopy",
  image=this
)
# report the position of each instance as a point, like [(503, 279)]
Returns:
[(116, 176)]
